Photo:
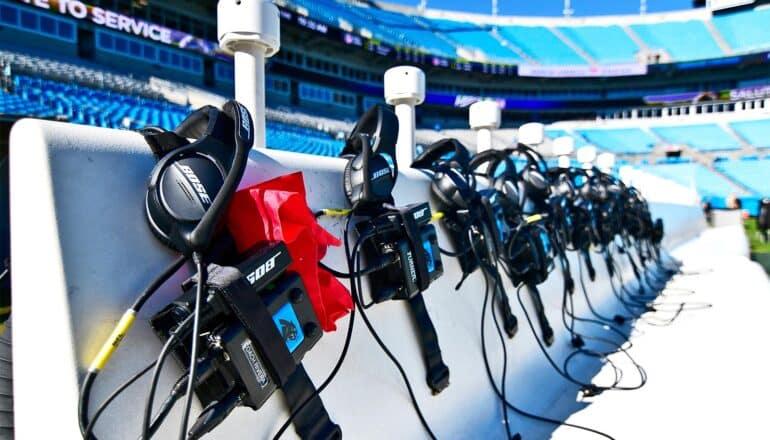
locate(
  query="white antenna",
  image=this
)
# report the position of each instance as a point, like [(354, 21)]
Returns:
[(568, 11)]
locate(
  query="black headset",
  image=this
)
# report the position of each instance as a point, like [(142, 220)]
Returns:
[(506, 182), (534, 186), (191, 185), (452, 186), (371, 171)]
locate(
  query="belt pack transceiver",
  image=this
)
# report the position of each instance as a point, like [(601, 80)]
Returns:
[(249, 308)]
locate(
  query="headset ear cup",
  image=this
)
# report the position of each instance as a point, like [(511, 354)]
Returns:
[(347, 180)]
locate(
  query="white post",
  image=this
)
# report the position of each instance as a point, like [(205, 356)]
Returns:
[(483, 117), (562, 147), (251, 31), (405, 89)]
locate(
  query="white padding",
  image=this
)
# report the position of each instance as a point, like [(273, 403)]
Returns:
[(243, 22), (82, 251), (404, 85), (484, 114), (531, 133)]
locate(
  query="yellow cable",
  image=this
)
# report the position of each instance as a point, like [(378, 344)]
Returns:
[(436, 216), (335, 212), (116, 337), (533, 218)]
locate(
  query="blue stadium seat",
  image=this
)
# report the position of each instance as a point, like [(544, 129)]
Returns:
[(683, 40), (554, 133), (745, 31), (287, 137), (82, 105), (709, 185), (541, 44), (605, 44), (756, 133), (473, 37), (620, 140), (704, 137), (750, 173)]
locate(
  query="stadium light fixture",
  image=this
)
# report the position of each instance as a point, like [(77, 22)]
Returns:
[(568, 11), (405, 89), (251, 32), (483, 117)]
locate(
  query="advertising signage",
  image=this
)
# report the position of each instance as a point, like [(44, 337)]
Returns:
[(124, 23)]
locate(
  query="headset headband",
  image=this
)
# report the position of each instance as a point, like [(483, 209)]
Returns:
[(458, 156)]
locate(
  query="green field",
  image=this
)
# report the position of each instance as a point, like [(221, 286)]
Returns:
[(755, 239), (760, 251)]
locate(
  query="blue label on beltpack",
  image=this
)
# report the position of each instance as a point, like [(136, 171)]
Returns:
[(429, 256), (288, 326)]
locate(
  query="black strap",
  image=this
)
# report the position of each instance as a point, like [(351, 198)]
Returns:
[(312, 422), (437, 372), (537, 302), (510, 323), (256, 319)]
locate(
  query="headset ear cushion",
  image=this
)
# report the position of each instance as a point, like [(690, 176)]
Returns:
[(347, 179)]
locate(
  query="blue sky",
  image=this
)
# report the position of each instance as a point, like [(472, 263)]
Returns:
[(553, 7)]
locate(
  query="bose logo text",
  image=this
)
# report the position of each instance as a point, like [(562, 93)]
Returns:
[(245, 120), (266, 267), (379, 173), (196, 183), (419, 214)]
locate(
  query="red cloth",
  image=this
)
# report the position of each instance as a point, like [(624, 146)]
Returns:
[(277, 210)]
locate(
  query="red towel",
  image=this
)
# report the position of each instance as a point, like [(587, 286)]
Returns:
[(277, 210)]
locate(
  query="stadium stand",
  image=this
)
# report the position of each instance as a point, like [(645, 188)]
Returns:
[(474, 38), (751, 173), (84, 105), (683, 41), (710, 185), (287, 137), (744, 31), (756, 133), (541, 44), (553, 133), (605, 44), (620, 140), (703, 137)]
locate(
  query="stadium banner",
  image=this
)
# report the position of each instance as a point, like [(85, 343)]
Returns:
[(631, 69), (123, 23)]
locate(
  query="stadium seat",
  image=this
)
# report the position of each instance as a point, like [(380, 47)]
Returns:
[(541, 44), (704, 137), (620, 140), (605, 44), (744, 31), (709, 185), (750, 173), (683, 40), (554, 133), (756, 133), (473, 37)]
